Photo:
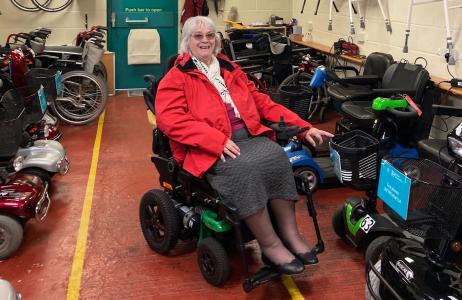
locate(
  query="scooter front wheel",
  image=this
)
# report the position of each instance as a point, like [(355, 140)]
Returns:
[(11, 234), (373, 256), (82, 100)]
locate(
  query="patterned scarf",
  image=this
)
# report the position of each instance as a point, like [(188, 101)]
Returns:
[(213, 74)]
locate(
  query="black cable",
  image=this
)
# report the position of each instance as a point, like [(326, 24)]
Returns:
[(447, 68), (421, 57)]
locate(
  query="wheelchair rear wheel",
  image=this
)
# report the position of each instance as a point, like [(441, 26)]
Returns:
[(159, 221), (213, 261)]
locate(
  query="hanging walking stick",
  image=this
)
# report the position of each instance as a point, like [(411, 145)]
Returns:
[(303, 6), (317, 7), (215, 3), (332, 3), (451, 59)]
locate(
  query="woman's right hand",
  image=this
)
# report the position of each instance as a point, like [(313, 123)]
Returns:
[(231, 149)]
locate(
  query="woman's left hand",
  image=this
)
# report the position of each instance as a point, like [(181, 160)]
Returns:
[(318, 134)]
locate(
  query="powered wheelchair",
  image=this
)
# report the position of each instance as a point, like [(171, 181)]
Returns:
[(187, 208)]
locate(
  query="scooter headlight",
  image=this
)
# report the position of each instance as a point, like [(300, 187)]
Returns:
[(455, 145), (18, 163)]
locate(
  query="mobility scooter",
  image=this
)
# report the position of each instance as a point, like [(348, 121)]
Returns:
[(356, 156), (22, 196), (404, 268), (187, 208)]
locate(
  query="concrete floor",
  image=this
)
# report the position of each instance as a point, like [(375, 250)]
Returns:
[(117, 263)]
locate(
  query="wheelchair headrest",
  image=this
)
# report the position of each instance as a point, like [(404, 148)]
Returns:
[(377, 63)]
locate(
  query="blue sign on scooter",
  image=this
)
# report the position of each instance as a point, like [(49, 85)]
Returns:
[(58, 82), (394, 188), (42, 99)]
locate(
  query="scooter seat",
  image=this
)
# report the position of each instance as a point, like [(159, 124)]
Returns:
[(436, 150), (352, 92), (359, 112)]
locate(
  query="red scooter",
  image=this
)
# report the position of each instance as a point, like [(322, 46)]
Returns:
[(22, 197)]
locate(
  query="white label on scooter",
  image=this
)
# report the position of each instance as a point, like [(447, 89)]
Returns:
[(367, 223)]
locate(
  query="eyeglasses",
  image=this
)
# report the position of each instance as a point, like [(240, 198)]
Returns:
[(199, 36)]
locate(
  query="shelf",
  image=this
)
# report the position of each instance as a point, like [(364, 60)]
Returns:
[(443, 86)]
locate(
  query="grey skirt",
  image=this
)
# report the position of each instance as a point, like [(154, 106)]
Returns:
[(261, 173)]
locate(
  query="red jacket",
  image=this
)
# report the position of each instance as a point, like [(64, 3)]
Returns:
[(192, 114)]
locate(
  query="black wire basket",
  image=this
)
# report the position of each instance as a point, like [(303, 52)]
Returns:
[(434, 209), (35, 103), (297, 98), (355, 157), (49, 79), (12, 114)]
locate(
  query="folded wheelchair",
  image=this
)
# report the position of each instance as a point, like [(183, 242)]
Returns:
[(186, 208)]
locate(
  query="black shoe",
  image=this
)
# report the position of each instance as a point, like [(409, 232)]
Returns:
[(307, 258), (294, 267)]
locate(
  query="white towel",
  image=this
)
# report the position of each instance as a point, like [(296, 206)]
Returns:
[(143, 47)]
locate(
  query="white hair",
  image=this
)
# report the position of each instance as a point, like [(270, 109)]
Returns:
[(187, 32)]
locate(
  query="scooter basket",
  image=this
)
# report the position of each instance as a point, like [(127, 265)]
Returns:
[(297, 98), (355, 156), (11, 122), (34, 109), (49, 79), (434, 210)]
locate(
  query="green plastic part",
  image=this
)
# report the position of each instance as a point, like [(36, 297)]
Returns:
[(380, 103), (352, 228), (209, 224)]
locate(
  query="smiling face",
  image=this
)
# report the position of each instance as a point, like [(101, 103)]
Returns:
[(202, 43)]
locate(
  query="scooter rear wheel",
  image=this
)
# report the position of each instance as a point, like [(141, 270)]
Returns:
[(44, 175), (11, 234), (313, 177)]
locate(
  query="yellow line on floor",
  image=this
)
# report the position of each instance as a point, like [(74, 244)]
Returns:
[(292, 288), (75, 277)]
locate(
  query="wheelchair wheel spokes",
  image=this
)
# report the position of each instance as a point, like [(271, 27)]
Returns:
[(155, 223), (303, 79), (57, 5), (27, 5), (159, 221), (83, 98)]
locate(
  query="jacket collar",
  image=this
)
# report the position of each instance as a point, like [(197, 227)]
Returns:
[(185, 63)]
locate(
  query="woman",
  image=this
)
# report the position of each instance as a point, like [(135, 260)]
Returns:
[(211, 112)]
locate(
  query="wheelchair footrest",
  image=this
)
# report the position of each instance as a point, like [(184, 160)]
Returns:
[(263, 275)]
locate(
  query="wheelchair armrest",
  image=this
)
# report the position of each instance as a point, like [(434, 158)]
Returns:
[(363, 80), (229, 212), (149, 78), (445, 110), (346, 68), (391, 92)]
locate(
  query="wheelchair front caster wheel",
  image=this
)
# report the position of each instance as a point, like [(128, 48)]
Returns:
[(213, 261)]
